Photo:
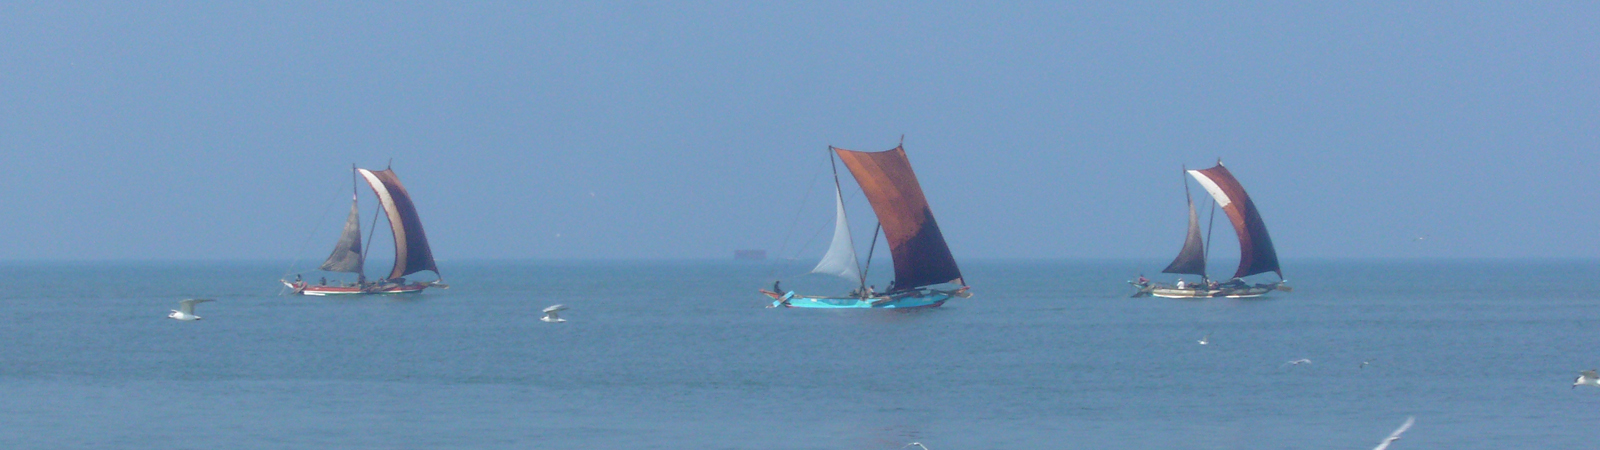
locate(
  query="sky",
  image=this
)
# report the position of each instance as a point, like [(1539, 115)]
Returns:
[(620, 130)]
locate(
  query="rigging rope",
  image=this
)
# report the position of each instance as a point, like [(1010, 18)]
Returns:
[(1212, 224), (820, 228), (307, 242), (796, 221)]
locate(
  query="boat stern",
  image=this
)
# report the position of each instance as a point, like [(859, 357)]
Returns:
[(1141, 289)]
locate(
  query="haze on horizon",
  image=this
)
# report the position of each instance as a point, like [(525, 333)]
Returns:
[(638, 130)]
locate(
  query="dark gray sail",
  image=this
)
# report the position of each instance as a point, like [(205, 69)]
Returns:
[(1192, 259), (346, 255)]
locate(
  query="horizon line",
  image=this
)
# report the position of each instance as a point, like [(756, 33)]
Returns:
[(777, 260)]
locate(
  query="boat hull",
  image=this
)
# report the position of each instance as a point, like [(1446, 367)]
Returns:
[(1249, 292), (1167, 291), (303, 288), (920, 298), (1173, 292)]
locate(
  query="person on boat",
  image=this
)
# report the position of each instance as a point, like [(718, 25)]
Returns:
[(361, 279), (297, 278), (775, 288), (872, 290), (1181, 284), (323, 281), (1142, 280)]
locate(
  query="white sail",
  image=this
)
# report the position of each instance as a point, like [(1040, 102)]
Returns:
[(1211, 186), (841, 257)]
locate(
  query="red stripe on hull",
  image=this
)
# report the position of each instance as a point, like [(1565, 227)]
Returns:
[(303, 289)]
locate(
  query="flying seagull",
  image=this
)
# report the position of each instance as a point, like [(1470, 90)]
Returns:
[(1395, 436), (1364, 364), (185, 309), (1297, 362), (919, 444), (1205, 340), (550, 314), (1588, 377)]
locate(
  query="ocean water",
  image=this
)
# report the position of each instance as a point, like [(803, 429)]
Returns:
[(683, 354)]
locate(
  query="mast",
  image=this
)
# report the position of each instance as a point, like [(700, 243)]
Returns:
[(874, 246), (355, 192), (372, 230), (1211, 224)]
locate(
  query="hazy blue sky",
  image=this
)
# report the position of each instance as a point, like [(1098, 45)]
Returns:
[(618, 130)]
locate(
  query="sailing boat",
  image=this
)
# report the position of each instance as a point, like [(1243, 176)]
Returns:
[(925, 272), (1256, 255), (411, 252)]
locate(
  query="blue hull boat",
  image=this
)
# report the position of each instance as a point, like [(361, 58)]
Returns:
[(917, 298), (925, 270)]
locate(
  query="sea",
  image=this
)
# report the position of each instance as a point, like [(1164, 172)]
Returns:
[(1048, 354)]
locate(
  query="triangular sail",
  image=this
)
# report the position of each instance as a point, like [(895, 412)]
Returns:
[(841, 257), (1192, 259), (346, 255), (411, 252), (921, 256), (1256, 254)]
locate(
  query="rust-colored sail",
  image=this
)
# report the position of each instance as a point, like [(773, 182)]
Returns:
[(411, 252), (1256, 254), (921, 257)]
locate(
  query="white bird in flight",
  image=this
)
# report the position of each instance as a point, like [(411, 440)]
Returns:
[(1588, 377), (1364, 364), (550, 314), (1395, 436), (185, 309), (1205, 340), (919, 444), (1297, 362)]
